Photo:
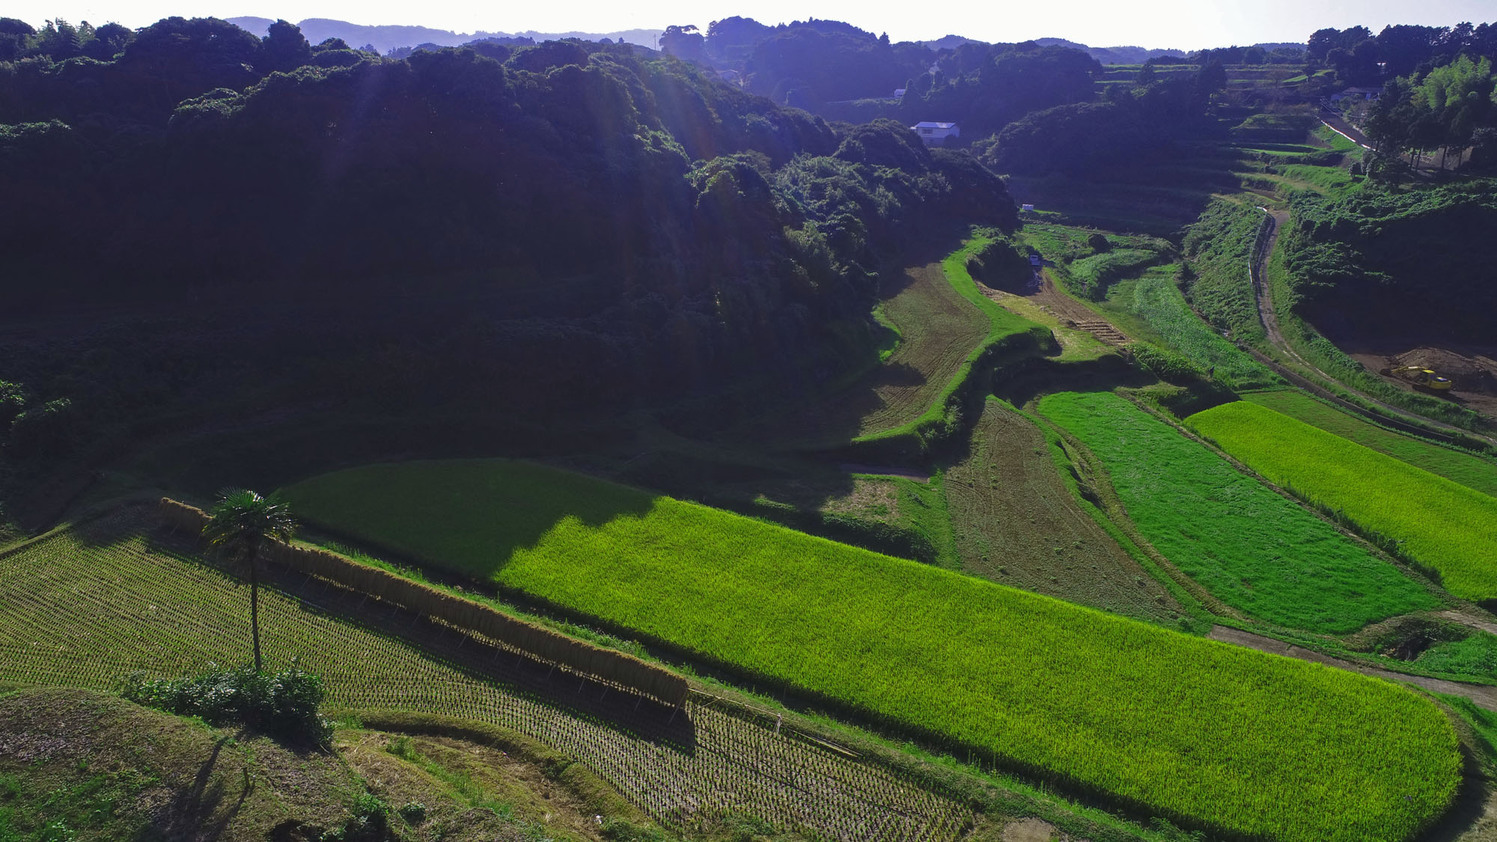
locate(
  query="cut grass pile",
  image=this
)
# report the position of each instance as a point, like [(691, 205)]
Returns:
[(1203, 732), (1250, 547), (1017, 523), (1156, 300), (1436, 522), (86, 606), (1459, 466)]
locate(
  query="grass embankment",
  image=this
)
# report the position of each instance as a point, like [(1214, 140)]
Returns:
[(1248, 546), (943, 361), (1434, 521), (84, 765), (1456, 465), (1017, 523), (96, 767), (88, 605), (1083, 269), (1153, 308), (1220, 248), (1202, 732)]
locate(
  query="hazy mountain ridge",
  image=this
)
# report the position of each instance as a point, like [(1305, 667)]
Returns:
[(389, 37)]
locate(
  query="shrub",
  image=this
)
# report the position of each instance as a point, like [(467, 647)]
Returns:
[(1167, 365), (414, 812), (282, 703)]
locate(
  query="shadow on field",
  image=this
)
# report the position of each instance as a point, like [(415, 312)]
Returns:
[(1471, 805), (509, 671)]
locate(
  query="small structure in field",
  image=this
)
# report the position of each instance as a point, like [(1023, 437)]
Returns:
[(1362, 94), (936, 134)]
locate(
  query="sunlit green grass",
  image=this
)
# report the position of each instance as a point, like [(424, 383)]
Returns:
[(1436, 522), (1465, 468), (1155, 299), (1209, 734), (1250, 547)]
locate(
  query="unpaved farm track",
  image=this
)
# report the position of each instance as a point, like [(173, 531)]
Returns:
[(1386, 414), (1483, 695)]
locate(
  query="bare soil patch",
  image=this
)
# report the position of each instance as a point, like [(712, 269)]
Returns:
[(1471, 369), (1017, 523), (1029, 830)]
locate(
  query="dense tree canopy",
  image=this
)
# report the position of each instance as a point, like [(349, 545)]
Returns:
[(609, 219)]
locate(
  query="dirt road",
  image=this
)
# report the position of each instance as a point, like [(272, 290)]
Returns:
[(1483, 695), (1386, 413)]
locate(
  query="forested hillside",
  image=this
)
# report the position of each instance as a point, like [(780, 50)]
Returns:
[(602, 217)]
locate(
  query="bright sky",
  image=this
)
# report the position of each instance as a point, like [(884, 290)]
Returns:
[(1180, 24)]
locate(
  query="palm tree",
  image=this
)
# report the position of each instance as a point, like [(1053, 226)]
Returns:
[(239, 523)]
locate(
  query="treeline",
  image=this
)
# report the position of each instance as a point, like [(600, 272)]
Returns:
[(1360, 58), (1134, 124), (1449, 108), (1402, 265), (566, 225)]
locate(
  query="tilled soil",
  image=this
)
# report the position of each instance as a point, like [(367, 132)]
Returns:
[(1016, 523)]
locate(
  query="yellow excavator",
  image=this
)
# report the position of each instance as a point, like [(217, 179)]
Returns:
[(1422, 378)]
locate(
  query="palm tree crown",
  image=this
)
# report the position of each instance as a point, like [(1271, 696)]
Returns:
[(240, 522)]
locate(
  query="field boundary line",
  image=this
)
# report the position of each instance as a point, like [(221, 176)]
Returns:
[(1484, 695)]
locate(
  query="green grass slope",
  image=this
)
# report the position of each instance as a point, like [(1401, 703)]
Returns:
[(1436, 522), (1251, 548), (1206, 733), (78, 765)]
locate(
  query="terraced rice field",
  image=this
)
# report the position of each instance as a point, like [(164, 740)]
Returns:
[(1436, 522), (1455, 465), (1250, 547), (944, 323), (1017, 523), (1212, 735), (938, 330), (88, 606)]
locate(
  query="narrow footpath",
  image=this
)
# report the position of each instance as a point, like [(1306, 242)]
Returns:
[(1483, 695)]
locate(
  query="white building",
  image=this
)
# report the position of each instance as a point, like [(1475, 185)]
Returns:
[(935, 134)]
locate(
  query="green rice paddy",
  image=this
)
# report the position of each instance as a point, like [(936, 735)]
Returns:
[(1250, 547), (1436, 522), (1208, 734), (1458, 466)]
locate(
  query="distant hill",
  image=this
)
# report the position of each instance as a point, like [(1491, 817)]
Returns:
[(950, 42), (1113, 55), (387, 38)]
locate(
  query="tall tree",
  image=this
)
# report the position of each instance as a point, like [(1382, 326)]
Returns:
[(240, 523)]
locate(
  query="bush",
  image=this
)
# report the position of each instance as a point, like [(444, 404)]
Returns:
[(1167, 365), (282, 703), (414, 812)]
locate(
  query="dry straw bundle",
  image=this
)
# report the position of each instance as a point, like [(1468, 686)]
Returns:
[(537, 641)]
